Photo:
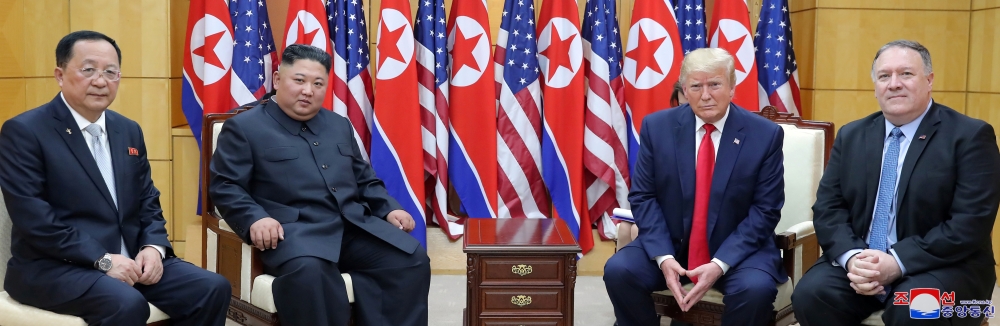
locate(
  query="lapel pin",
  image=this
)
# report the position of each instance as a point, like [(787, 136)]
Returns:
[(133, 152), (69, 132), (736, 141), (922, 137)]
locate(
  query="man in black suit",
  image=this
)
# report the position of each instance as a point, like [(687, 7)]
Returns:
[(88, 234), (290, 180), (927, 228)]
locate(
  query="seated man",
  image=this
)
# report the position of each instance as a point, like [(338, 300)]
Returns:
[(289, 178), (691, 207), (878, 237), (88, 233)]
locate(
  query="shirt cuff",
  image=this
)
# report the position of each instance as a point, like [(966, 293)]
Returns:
[(161, 249), (902, 269), (842, 260), (661, 259), (722, 264)]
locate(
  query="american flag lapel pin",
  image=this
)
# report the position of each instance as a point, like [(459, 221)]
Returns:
[(922, 137), (736, 141), (133, 152)]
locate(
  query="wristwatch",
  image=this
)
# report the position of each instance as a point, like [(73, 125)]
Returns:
[(103, 264)]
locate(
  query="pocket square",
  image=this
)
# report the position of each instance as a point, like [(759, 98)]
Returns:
[(133, 152)]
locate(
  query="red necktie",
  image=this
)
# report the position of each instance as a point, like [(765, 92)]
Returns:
[(698, 248)]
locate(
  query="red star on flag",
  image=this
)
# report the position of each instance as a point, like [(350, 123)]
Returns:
[(465, 59), (387, 45), (559, 56), (643, 53), (211, 42), (733, 47), (307, 38)]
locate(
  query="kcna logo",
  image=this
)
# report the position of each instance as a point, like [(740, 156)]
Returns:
[(931, 303)]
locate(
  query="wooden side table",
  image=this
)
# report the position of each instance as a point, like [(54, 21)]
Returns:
[(521, 272)]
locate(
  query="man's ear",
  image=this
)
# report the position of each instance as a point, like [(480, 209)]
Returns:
[(59, 73)]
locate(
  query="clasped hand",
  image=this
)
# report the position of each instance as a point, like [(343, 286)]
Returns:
[(706, 274), (870, 270)]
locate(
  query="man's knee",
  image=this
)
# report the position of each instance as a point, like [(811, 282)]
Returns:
[(616, 271), (757, 290), (126, 308), (216, 285)]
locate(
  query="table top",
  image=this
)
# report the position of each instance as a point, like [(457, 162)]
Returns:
[(519, 234)]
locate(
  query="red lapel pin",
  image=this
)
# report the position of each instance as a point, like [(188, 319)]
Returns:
[(922, 137), (133, 152)]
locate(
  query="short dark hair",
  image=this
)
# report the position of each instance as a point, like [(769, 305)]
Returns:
[(925, 55), (64, 50), (296, 52)]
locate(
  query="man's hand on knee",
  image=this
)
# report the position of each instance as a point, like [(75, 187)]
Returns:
[(124, 269), (886, 265), (151, 264), (672, 272), (707, 275), (401, 219), (863, 274), (265, 233)]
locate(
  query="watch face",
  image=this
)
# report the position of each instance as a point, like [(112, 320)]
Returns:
[(105, 264)]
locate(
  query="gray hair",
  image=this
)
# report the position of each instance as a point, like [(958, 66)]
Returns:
[(925, 55), (708, 60)]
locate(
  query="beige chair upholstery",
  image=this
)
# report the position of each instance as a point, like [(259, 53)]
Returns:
[(805, 148), (13, 313), (228, 255)]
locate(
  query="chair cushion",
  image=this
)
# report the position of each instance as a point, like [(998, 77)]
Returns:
[(784, 298), (874, 320), (262, 297), (13, 313)]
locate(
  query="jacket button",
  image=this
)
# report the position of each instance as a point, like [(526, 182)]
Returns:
[(316, 143), (324, 166)]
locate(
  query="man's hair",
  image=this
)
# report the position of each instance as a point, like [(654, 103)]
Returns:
[(675, 96), (64, 50), (925, 55), (708, 60), (296, 52)]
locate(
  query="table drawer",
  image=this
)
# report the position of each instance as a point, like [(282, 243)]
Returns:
[(521, 322), (519, 270), (535, 301)]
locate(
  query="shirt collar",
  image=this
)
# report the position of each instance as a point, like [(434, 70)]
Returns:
[(80, 120), (910, 128), (698, 123)]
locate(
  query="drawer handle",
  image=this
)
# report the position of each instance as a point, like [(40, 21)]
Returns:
[(521, 269), (521, 300)]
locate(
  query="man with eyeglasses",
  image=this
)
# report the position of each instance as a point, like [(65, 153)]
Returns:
[(88, 234)]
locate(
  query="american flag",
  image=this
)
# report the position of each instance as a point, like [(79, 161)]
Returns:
[(691, 24), (519, 116), (255, 56), (605, 160), (778, 72), (430, 32), (352, 82)]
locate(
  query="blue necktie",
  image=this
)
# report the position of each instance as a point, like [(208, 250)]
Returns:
[(878, 238)]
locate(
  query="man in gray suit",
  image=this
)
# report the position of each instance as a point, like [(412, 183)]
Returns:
[(289, 178)]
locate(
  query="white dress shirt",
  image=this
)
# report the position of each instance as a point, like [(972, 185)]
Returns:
[(83, 123), (699, 133)]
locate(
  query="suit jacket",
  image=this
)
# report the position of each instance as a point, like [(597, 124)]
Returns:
[(746, 197), (64, 218), (947, 196), (309, 176)]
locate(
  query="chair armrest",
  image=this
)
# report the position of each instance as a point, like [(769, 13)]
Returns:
[(799, 249), (624, 235)]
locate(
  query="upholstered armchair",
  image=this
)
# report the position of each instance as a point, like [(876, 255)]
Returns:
[(807, 146), (225, 253), (13, 313)]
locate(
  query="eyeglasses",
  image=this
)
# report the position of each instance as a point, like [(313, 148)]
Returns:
[(108, 74)]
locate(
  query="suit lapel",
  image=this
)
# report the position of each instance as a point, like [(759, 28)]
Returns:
[(874, 143), (70, 132), (117, 148), (728, 152), (684, 154), (926, 128)]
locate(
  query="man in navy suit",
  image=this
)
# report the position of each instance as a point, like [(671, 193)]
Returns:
[(88, 234), (289, 178), (706, 195), (908, 201)]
